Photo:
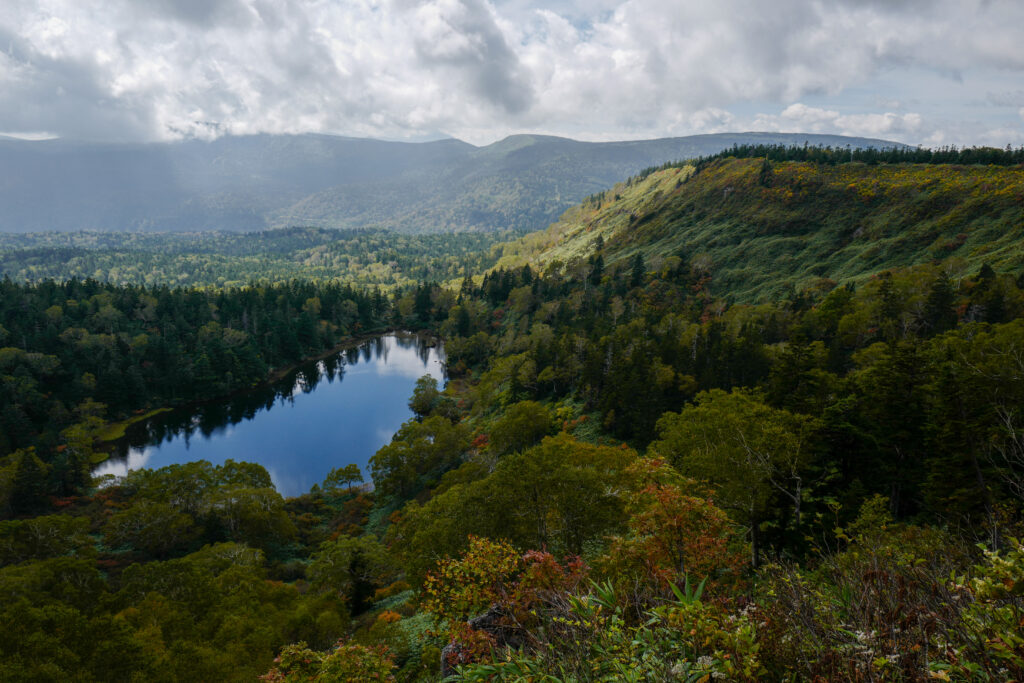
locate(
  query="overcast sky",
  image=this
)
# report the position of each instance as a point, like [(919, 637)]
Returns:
[(918, 71)]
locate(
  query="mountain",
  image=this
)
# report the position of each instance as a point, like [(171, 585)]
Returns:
[(762, 231), (266, 181)]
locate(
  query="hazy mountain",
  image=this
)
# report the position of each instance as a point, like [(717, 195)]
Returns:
[(253, 182)]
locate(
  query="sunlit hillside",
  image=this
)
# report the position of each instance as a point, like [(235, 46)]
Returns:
[(763, 229)]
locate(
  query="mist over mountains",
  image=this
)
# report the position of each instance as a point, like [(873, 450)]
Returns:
[(266, 181)]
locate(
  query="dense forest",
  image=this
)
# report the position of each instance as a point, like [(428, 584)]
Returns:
[(637, 471), (361, 258)]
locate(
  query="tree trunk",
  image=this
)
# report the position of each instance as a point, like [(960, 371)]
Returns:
[(755, 550)]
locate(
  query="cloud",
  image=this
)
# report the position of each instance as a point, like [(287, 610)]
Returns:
[(799, 118), (123, 69), (462, 38), (1006, 98), (198, 13)]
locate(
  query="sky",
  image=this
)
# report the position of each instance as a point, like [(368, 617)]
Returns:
[(930, 72)]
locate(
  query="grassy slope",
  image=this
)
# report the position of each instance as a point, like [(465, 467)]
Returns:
[(763, 234)]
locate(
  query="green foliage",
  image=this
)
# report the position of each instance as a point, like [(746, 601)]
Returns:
[(211, 614), (352, 567), (562, 495), (419, 450), (363, 258), (484, 575), (891, 154), (998, 611), (814, 220), (591, 637), (346, 662), (520, 426), (340, 478), (176, 509), (425, 397), (157, 529), (750, 452), (23, 482), (40, 538)]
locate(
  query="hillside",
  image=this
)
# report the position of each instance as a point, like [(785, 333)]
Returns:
[(762, 230), (255, 182)]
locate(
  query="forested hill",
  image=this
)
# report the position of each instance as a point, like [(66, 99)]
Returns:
[(254, 182), (762, 229)]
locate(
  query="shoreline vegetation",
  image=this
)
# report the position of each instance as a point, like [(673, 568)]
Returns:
[(116, 430)]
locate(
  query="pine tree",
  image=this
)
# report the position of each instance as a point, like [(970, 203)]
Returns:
[(939, 315), (637, 270), (596, 270)]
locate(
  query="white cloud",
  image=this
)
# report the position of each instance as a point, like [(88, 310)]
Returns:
[(801, 118), (123, 69), (137, 459), (1001, 136), (28, 135)]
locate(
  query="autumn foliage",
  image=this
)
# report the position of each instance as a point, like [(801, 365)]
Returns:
[(673, 534)]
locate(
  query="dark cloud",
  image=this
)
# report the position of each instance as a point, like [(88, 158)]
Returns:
[(462, 37), (201, 13), (65, 96)]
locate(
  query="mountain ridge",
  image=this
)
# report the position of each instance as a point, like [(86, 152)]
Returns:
[(266, 181), (764, 231)]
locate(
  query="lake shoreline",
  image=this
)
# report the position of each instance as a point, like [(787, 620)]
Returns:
[(329, 413), (117, 430), (280, 373)]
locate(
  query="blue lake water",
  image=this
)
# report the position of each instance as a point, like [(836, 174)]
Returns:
[(323, 415)]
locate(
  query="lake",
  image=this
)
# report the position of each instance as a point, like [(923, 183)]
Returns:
[(326, 414)]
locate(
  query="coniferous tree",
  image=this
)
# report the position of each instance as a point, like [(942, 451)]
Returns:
[(939, 314)]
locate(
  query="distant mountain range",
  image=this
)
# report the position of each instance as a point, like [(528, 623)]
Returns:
[(264, 181)]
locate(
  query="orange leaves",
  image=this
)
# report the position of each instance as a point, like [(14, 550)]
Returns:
[(388, 617), (673, 533), (543, 573)]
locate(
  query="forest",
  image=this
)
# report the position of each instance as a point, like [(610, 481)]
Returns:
[(637, 470), (362, 258)]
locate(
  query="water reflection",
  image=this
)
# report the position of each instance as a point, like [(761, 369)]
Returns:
[(326, 414)]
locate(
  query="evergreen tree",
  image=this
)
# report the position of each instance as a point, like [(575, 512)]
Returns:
[(637, 270), (939, 315)]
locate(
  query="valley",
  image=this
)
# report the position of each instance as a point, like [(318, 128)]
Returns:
[(751, 414)]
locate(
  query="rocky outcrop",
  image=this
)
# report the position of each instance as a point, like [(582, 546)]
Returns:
[(496, 623)]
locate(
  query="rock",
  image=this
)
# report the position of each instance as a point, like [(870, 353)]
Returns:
[(497, 623)]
